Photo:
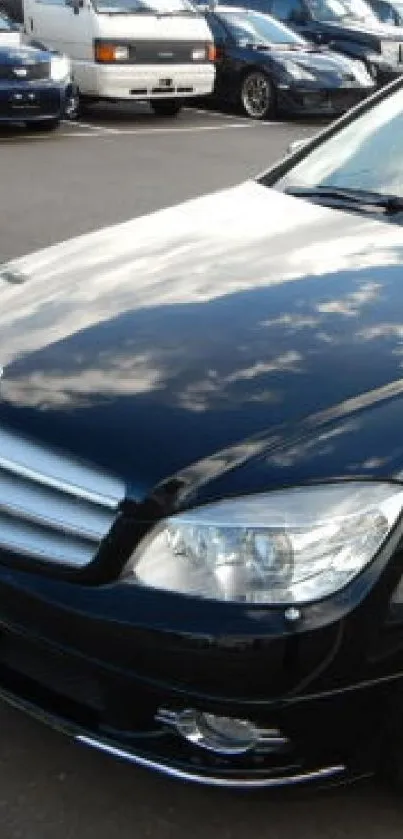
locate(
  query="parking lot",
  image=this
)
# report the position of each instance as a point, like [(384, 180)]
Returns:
[(119, 164), (111, 167)]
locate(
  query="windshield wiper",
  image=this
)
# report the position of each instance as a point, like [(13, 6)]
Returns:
[(360, 199)]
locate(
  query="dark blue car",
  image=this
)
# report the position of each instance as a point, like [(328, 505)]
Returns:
[(35, 83), (264, 67)]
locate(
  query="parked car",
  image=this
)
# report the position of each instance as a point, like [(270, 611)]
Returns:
[(35, 83), (349, 27), (201, 464), (389, 13), (266, 68)]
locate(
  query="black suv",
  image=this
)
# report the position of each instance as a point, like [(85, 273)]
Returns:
[(347, 26)]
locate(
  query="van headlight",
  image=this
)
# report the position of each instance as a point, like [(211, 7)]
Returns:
[(60, 68), (199, 54), (290, 546)]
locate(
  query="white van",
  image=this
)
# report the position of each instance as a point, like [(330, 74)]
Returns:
[(156, 50)]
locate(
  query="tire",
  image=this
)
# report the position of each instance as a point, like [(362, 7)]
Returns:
[(257, 95), (166, 107), (72, 106), (44, 124)]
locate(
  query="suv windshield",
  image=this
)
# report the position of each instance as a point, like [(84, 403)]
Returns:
[(145, 7), (365, 155), (330, 11), (257, 29)]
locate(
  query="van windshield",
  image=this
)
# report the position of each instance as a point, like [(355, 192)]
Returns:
[(161, 8)]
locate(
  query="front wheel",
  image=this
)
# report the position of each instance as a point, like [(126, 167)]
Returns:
[(44, 124), (257, 95), (166, 107)]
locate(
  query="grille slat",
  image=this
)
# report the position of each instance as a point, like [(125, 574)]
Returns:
[(52, 508)]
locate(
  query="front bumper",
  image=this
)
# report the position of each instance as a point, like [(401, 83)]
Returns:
[(315, 101), (144, 82), (32, 101), (70, 656)]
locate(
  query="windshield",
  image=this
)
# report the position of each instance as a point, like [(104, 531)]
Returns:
[(145, 7), (331, 11), (365, 155), (254, 28)]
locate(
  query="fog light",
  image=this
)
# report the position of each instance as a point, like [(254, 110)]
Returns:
[(223, 735)]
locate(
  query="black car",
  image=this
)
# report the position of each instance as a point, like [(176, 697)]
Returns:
[(201, 474), (265, 67), (347, 26), (35, 83), (386, 12)]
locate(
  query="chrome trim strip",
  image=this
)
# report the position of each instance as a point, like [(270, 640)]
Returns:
[(34, 504), (35, 463), (322, 774), (213, 780)]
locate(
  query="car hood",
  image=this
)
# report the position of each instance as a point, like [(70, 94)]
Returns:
[(323, 63), (172, 340)]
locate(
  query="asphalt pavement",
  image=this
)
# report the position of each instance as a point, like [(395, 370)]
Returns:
[(116, 165)]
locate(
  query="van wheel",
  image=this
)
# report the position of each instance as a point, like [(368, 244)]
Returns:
[(44, 124), (166, 108)]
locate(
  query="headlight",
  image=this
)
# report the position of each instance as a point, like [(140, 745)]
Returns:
[(108, 53), (291, 546), (361, 72), (60, 68), (297, 72), (199, 54)]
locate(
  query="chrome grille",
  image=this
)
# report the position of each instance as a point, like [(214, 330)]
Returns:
[(52, 508)]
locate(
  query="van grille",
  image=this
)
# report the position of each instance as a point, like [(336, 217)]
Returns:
[(52, 509)]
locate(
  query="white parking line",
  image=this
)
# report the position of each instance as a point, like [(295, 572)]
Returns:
[(88, 126), (104, 133), (221, 115)]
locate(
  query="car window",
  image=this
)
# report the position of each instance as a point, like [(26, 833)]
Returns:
[(367, 154), (254, 28), (288, 9), (263, 6), (336, 10), (384, 11)]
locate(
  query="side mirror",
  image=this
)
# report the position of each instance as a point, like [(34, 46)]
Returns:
[(297, 145)]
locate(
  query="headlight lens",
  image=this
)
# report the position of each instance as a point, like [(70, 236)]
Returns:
[(60, 68), (199, 54), (291, 546), (297, 72)]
